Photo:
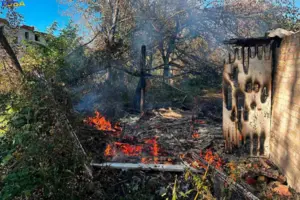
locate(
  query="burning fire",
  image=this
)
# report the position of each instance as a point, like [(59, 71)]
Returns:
[(240, 137), (212, 158), (135, 150), (127, 149), (144, 160), (154, 148), (130, 150), (196, 135), (151, 148), (109, 151), (101, 123), (198, 121)]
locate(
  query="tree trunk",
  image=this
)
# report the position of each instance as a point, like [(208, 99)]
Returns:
[(113, 28), (166, 68), (111, 38), (169, 51)]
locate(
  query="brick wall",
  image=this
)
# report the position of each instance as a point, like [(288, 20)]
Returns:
[(285, 128)]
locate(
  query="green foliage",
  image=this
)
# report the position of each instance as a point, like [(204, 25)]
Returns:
[(200, 187), (4, 119), (201, 183), (50, 59), (174, 194), (38, 158), (21, 182), (209, 81)]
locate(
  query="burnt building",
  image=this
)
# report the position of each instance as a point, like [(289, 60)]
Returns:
[(261, 100)]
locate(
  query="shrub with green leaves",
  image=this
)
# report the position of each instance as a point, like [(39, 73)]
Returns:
[(38, 159)]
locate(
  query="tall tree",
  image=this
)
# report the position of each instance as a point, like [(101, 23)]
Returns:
[(181, 36)]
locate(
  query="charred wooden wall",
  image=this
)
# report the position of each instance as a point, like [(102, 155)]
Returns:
[(285, 131), (247, 88), (261, 101)]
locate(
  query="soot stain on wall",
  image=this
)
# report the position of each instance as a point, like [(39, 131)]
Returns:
[(256, 86), (227, 94), (245, 52), (264, 93), (233, 115)]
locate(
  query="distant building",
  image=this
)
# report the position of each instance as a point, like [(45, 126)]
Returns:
[(24, 33)]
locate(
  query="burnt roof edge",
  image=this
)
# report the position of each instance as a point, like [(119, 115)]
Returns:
[(250, 41)]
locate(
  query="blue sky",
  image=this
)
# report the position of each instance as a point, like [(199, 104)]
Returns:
[(42, 13)]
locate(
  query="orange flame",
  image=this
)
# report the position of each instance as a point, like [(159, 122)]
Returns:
[(240, 137), (232, 168), (129, 150), (198, 121), (169, 161), (135, 150), (109, 151), (154, 148), (144, 160), (196, 135), (101, 123), (212, 159)]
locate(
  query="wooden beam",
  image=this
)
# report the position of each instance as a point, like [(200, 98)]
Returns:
[(249, 41)]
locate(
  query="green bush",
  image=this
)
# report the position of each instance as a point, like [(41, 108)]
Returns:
[(38, 157)]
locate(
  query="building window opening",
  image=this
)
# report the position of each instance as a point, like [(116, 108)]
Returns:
[(37, 37), (27, 35)]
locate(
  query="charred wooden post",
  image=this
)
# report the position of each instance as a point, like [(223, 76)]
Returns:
[(143, 80), (139, 100)]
